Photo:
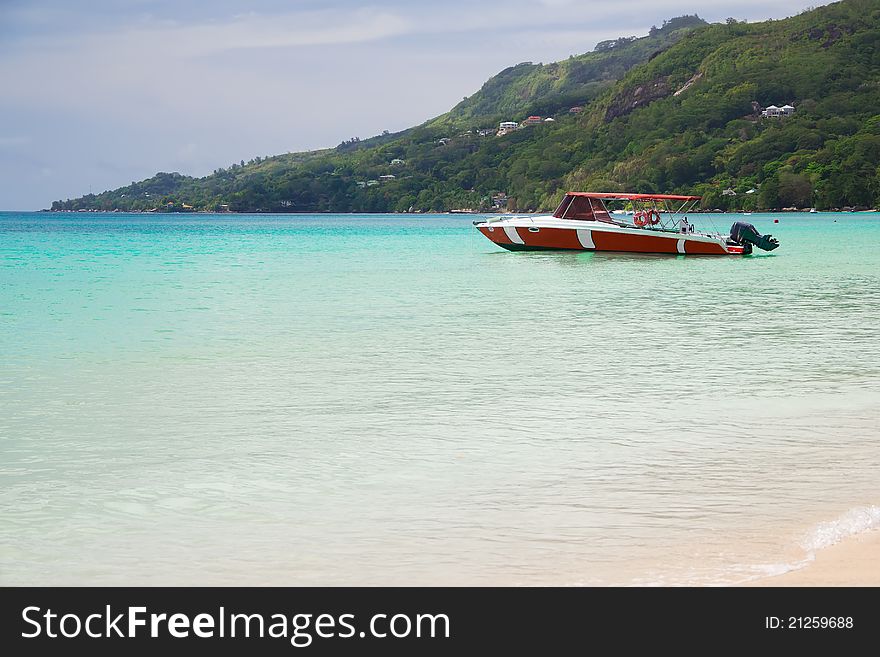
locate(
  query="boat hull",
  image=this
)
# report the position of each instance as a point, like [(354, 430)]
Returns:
[(552, 234)]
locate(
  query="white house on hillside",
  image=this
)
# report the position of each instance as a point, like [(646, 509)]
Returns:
[(777, 112)]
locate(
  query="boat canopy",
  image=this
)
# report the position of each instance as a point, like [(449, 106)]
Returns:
[(590, 206), (626, 196)]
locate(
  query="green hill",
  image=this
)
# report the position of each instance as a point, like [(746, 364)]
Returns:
[(677, 111), (549, 89)]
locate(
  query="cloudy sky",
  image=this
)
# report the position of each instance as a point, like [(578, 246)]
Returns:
[(98, 93)]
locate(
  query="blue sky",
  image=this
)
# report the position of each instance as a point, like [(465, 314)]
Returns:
[(99, 93)]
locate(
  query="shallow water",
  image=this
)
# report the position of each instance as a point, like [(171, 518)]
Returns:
[(353, 399)]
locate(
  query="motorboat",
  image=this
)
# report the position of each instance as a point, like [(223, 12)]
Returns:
[(584, 222)]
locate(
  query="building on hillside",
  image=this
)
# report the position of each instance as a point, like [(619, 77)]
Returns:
[(549, 119), (397, 161), (773, 112), (387, 177), (532, 120), (728, 192), (508, 125), (499, 201), (577, 109)]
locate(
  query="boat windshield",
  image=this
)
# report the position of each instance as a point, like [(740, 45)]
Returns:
[(583, 208)]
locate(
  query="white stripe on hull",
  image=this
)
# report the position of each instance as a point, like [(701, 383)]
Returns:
[(512, 235), (680, 246), (585, 237)]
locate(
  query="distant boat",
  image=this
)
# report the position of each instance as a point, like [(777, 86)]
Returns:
[(747, 214), (583, 222), (813, 210)]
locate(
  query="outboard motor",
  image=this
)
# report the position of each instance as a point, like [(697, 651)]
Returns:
[(747, 235)]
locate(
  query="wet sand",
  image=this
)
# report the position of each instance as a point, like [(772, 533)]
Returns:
[(853, 562)]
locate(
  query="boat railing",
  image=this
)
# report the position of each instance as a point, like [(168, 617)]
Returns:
[(504, 217)]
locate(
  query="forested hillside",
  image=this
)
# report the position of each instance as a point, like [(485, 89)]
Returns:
[(550, 89), (678, 111)]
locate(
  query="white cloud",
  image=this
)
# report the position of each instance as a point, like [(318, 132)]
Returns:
[(175, 63), (283, 31), (253, 30)]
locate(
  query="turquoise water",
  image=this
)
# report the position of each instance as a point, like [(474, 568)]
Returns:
[(394, 400)]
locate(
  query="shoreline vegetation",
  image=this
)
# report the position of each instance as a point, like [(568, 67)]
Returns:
[(750, 116), (860, 210)]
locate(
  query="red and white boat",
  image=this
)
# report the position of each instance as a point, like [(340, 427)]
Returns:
[(657, 224)]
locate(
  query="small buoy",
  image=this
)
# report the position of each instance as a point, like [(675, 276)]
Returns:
[(776, 221)]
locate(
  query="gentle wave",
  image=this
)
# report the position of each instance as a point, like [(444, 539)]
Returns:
[(852, 522), (855, 521)]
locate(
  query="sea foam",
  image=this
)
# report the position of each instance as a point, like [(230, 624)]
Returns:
[(855, 521), (822, 535)]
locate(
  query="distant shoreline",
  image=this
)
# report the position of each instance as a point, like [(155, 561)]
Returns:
[(450, 212)]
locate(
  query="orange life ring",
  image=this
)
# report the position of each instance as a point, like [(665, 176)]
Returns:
[(640, 219), (654, 217)]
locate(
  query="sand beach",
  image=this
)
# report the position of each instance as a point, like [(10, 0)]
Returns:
[(852, 562)]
